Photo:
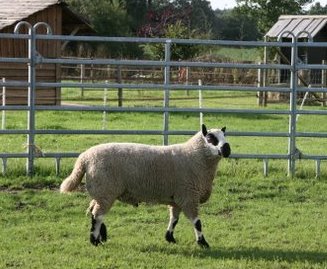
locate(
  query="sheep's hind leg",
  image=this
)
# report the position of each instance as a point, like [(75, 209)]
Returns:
[(98, 232), (174, 212)]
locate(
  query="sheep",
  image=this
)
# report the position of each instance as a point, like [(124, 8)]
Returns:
[(179, 176)]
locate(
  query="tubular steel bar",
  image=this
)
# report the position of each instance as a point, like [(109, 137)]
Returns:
[(166, 85), (166, 93), (31, 88), (31, 94), (157, 86), (292, 117)]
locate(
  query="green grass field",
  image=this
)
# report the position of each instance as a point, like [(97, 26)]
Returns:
[(251, 221)]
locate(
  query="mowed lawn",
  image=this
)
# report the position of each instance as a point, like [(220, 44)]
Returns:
[(251, 221)]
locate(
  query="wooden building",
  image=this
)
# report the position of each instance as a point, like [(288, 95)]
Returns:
[(302, 26), (61, 19)]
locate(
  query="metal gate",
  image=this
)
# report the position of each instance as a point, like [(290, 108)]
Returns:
[(166, 64)]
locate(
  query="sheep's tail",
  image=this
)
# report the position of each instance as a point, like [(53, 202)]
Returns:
[(75, 178)]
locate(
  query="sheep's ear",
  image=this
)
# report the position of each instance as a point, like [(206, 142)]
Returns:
[(204, 130), (223, 129)]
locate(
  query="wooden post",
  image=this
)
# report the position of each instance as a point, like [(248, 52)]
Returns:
[(259, 85), (120, 90), (187, 78), (82, 79), (92, 73), (108, 72), (4, 166), (323, 85), (3, 122), (265, 76), (57, 163), (264, 84)]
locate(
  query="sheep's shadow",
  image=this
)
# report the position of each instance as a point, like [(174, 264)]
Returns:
[(251, 254)]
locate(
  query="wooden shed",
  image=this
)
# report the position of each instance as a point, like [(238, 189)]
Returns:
[(301, 26), (61, 19)]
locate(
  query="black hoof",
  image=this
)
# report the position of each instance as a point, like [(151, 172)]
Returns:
[(170, 237), (203, 243), (94, 241), (103, 232)]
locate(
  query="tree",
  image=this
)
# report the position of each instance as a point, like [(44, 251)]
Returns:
[(146, 18), (266, 12), (197, 15), (236, 26), (203, 18), (164, 13), (178, 51), (109, 18), (136, 11), (318, 9)]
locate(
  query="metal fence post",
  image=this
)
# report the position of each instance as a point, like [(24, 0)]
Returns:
[(32, 57), (82, 76), (31, 97), (200, 102), (292, 151), (166, 89), (105, 99), (292, 118)]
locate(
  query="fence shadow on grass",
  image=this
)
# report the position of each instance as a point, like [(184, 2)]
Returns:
[(249, 254), (270, 255), (266, 254)]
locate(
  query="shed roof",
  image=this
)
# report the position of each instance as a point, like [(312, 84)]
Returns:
[(311, 24), (16, 10), (13, 11)]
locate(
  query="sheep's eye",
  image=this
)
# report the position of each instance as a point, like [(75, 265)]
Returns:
[(212, 139)]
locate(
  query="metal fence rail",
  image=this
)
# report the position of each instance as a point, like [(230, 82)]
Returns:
[(35, 59)]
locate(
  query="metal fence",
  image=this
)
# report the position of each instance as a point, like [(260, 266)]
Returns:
[(293, 89)]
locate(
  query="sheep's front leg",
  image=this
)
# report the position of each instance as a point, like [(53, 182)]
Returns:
[(191, 211), (198, 233), (174, 212)]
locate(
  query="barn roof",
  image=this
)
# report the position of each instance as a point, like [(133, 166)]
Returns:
[(16, 10), (298, 23), (13, 11)]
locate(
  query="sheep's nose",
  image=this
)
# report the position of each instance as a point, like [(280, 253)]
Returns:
[(226, 150)]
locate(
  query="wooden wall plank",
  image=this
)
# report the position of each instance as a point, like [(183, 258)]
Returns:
[(18, 48), (19, 96)]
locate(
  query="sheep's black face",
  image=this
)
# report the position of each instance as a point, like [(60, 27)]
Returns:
[(225, 150), (216, 141)]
